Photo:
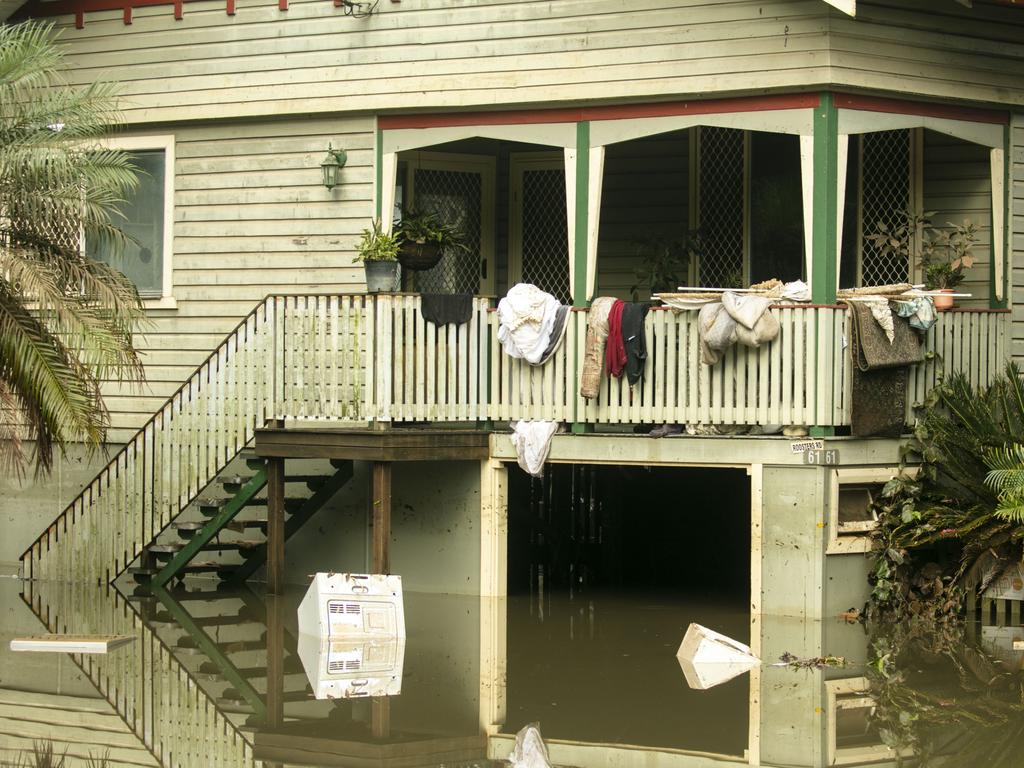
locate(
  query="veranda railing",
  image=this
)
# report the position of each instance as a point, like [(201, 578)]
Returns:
[(360, 358)]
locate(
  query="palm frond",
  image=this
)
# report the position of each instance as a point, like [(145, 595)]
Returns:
[(66, 320)]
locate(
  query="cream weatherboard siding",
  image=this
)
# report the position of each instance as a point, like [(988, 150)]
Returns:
[(419, 54), (250, 218), (1017, 232), (931, 48)]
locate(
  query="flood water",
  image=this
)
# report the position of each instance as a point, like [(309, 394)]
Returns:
[(215, 679)]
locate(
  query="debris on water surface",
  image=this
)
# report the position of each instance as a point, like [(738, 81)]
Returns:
[(788, 659)]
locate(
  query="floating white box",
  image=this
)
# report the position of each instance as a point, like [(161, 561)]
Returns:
[(352, 605), (348, 669)]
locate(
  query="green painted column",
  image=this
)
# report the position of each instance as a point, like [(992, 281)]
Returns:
[(826, 177), (825, 212), (582, 214), (580, 224)]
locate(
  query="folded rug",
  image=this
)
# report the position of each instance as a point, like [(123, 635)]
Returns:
[(880, 372)]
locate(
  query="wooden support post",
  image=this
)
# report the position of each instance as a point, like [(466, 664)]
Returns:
[(275, 661), (275, 526), (380, 503), (380, 717)]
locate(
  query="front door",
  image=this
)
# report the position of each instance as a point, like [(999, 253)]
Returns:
[(459, 188)]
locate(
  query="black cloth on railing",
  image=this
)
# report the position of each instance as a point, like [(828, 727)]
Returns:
[(445, 308), (557, 331), (634, 340)]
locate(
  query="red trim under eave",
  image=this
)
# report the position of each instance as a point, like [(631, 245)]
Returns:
[(923, 109), (610, 112)]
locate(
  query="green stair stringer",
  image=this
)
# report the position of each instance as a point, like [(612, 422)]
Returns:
[(214, 526), (212, 652), (312, 505)]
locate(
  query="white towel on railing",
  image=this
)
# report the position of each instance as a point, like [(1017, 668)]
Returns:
[(532, 441), (527, 316)]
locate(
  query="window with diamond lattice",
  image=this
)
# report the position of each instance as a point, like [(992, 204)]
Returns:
[(721, 214), (886, 193), (545, 240), (456, 197)]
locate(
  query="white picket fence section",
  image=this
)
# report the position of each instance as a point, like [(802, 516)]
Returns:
[(354, 359)]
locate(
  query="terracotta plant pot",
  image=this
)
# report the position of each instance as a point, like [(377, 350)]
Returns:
[(381, 276), (419, 256), (942, 301)]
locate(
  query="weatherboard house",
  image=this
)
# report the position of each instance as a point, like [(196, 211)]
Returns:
[(559, 135)]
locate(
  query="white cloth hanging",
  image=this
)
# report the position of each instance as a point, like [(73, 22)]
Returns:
[(532, 441), (527, 316)]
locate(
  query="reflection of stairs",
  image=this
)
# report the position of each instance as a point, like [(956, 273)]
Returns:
[(229, 531), (233, 642), (152, 691)]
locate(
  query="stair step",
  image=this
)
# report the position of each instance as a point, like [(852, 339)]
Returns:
[(240, 526), (234, 697), (292, 666), (255, 464), (216, 595), (211, 508), (235, 646), (234, 484), (205, 621), (165, 552)]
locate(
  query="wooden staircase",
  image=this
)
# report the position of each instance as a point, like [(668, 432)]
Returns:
[(265, 369), (229, 531)]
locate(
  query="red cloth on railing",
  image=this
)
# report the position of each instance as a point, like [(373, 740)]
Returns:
[(615, 349)]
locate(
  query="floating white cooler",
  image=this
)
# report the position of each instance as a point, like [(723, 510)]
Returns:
[(352, 635), (709, 658), (349, 669)]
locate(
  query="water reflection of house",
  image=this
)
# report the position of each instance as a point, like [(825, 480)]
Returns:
[(558, 135)]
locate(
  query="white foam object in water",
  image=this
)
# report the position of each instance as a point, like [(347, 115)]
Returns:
[(353, 605), (70, 643), (530, 750), (709, 658)]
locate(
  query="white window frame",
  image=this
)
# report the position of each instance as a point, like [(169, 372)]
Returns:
[(851, 693), (164, 142), (844, 543)]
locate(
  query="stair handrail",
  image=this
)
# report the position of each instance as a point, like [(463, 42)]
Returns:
[(140, 435)]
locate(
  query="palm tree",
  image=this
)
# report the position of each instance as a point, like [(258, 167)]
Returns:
[(66, 321)]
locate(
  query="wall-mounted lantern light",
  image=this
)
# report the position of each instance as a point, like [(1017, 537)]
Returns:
[(332, 165)]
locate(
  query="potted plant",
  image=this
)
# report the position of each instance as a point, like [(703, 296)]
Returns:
[(378, 250), (425, 239), (945, 254), (663, 262), (942, 254)]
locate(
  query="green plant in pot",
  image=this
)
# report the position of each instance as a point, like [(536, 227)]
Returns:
[(942, 254), (425, 239), (378, 251), (663, 262)]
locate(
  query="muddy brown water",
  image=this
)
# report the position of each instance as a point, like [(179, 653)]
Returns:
[(215, 678)]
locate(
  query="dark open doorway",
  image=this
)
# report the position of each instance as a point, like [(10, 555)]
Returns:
[(607, 567)]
